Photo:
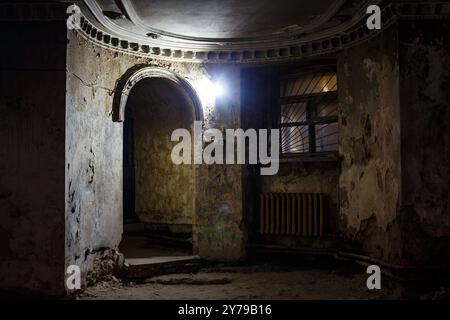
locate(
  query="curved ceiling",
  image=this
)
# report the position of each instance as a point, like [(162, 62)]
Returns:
[(222, 29), (221, 19)]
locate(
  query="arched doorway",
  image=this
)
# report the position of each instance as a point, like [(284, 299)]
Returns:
[(158, 196)]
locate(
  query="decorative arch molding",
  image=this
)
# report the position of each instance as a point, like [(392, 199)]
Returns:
[(137, 73)]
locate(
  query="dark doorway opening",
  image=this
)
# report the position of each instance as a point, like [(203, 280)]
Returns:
[(158, 196), (129, 213)]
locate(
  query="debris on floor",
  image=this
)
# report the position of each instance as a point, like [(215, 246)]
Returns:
[(192, 279), (262, 281)]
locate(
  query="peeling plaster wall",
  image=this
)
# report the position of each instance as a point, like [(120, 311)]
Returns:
[(93, 155), (32, 98), (94, 161), (369, 135), (221, 228), (394, 190), (164, 191), (425, 140)]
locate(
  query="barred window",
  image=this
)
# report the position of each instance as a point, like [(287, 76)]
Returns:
[(308, 108)]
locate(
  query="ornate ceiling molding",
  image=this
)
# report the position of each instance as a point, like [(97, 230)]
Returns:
[(327, 25), (255, 51), (102, 31), (294, 47)]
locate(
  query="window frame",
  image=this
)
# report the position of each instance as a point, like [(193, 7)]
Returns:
[(312, 120)]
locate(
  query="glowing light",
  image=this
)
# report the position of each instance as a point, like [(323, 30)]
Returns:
[(209, 90)]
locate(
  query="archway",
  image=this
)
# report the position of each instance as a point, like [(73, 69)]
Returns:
[(158, 196)]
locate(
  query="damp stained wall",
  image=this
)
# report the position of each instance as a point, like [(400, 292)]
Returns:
[(394, 191), (32, 99), (94, 162), (221, 229), (369, 135), (93, 158), (164, 191)]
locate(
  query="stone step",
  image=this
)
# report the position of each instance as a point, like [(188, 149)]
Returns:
[(140, 268)]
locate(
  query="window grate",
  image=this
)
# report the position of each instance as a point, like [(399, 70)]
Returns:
[(308, 113)]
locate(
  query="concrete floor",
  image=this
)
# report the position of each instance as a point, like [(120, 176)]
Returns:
[(260, 281), (136, 246), (276, 279), (271, 276)]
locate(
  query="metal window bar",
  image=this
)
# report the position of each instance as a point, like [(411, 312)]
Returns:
[(300, 136)]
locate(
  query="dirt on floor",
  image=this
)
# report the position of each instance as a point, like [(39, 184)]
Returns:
[(261, 281)]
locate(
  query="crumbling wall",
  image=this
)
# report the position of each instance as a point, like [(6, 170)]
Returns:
[(94, 160), (32, 98), (394, 191), (369, 135), (221, 230), (164, 190), (93, 154)]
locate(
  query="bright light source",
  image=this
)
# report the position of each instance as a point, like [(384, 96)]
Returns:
[(218, 90), (209, 90)]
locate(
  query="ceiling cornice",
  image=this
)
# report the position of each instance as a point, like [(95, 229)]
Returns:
[(319, 29), (102, 31)]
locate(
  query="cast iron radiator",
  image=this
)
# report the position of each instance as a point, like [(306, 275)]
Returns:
[(297, 214)]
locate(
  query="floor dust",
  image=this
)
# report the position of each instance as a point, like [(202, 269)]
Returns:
[(263, 281)]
